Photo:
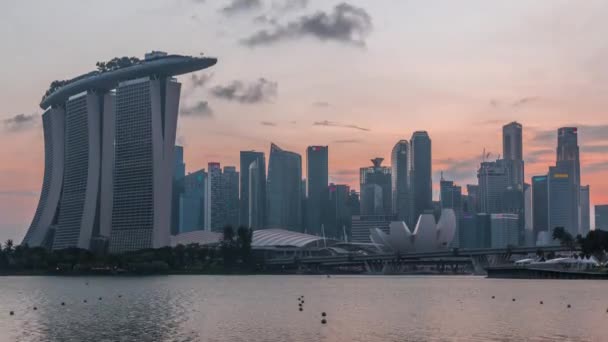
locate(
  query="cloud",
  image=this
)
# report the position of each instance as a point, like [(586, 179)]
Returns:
[(460, 170), (200, 109), (239, 6), (595, 149), (337, 124), (524, 101), (514, 104), (595, 167), (542, 155), (200, 81), (345, 172), (18, 193), (345, 24), (347, 141), (289, 5), (586, 133), (321, 104), (261, 90), (20, 122), (268, 123)]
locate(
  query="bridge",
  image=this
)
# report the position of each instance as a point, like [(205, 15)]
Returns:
[(455, 260)]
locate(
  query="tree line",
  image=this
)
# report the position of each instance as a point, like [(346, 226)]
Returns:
[(233, 254), (595, 243)]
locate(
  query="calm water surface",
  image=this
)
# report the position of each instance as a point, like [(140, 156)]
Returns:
[(265, 308)]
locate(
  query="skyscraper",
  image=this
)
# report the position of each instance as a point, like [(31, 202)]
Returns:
[(117, 157), (568, 162), (179, 172), (191, 202), (512, 150), (585, 213), (400, 177), (215, 208), (493, 178), (563, 211), (375, 184), (284, 189), (338, 215), (317, 174), (540, 205), (421, 173), (450, 196), (256, 195), (259, 201), (230, 194), (601, 217), (505, 230)]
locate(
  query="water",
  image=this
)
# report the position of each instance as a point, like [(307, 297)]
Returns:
[(265, 308)]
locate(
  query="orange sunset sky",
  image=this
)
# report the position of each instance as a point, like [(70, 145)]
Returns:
[(355, 75)]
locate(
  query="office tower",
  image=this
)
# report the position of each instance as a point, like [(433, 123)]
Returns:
[(400, 177), (230, 194), (568, 151), (563, 211), (421, 173), (361, 225), (493, 178), (118, 155), (215, 208), (179, 172), (512, 150), (505, 230), (191, 202), (472, 203), (337, 214), (601, 217), (528, 223), (540, 204), (256, 194), (258, 202), (585, 211), (450, 196), (284, 189), (375, 184), (354, 203), (474, 231), (317, 174)]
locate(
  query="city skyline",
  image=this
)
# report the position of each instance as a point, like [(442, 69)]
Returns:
[(361, 100)]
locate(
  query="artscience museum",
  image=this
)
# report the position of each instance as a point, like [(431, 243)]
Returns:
[(428, 235)]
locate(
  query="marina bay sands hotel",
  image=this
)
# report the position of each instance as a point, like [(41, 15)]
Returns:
[(109, 139)]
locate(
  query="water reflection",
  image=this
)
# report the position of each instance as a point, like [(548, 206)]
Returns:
[(265, 308)]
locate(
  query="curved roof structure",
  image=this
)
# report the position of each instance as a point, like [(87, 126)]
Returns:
[(167, 66), (281, 237)]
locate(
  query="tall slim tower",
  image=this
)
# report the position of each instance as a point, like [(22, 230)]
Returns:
[(400, 178), (215, 208), (284, 189), (230, 193), (375, 183), (568, 161), (540, 205), (259, 201), (585, 214), (512, 150), (317, 174), (422, 184)]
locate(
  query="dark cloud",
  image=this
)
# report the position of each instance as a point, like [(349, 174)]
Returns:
[(18, 193), (289, 5), (348, 141), (338, 124), (345, 24), (516, 104), (261, 90), (595, 167), (461, 170), (586, 134), (345, 172), (268, 123), (595, 149), (265, 19), (200, 81), (542, 155), (322, 104), (200, 109), (20, 122), (238, 6)]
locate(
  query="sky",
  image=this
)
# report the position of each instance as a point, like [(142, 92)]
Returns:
[(356, 75)]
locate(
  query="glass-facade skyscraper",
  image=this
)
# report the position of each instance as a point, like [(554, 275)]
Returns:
[(258, 202), (601, 217), (400, 178), (512, 151), (421, 174), (284, 189), (540, 205), (375, 184), (317, 180)]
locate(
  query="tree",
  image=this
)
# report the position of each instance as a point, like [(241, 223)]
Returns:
[(9, 247), (564, 237), (228, 247), (244, 238)]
